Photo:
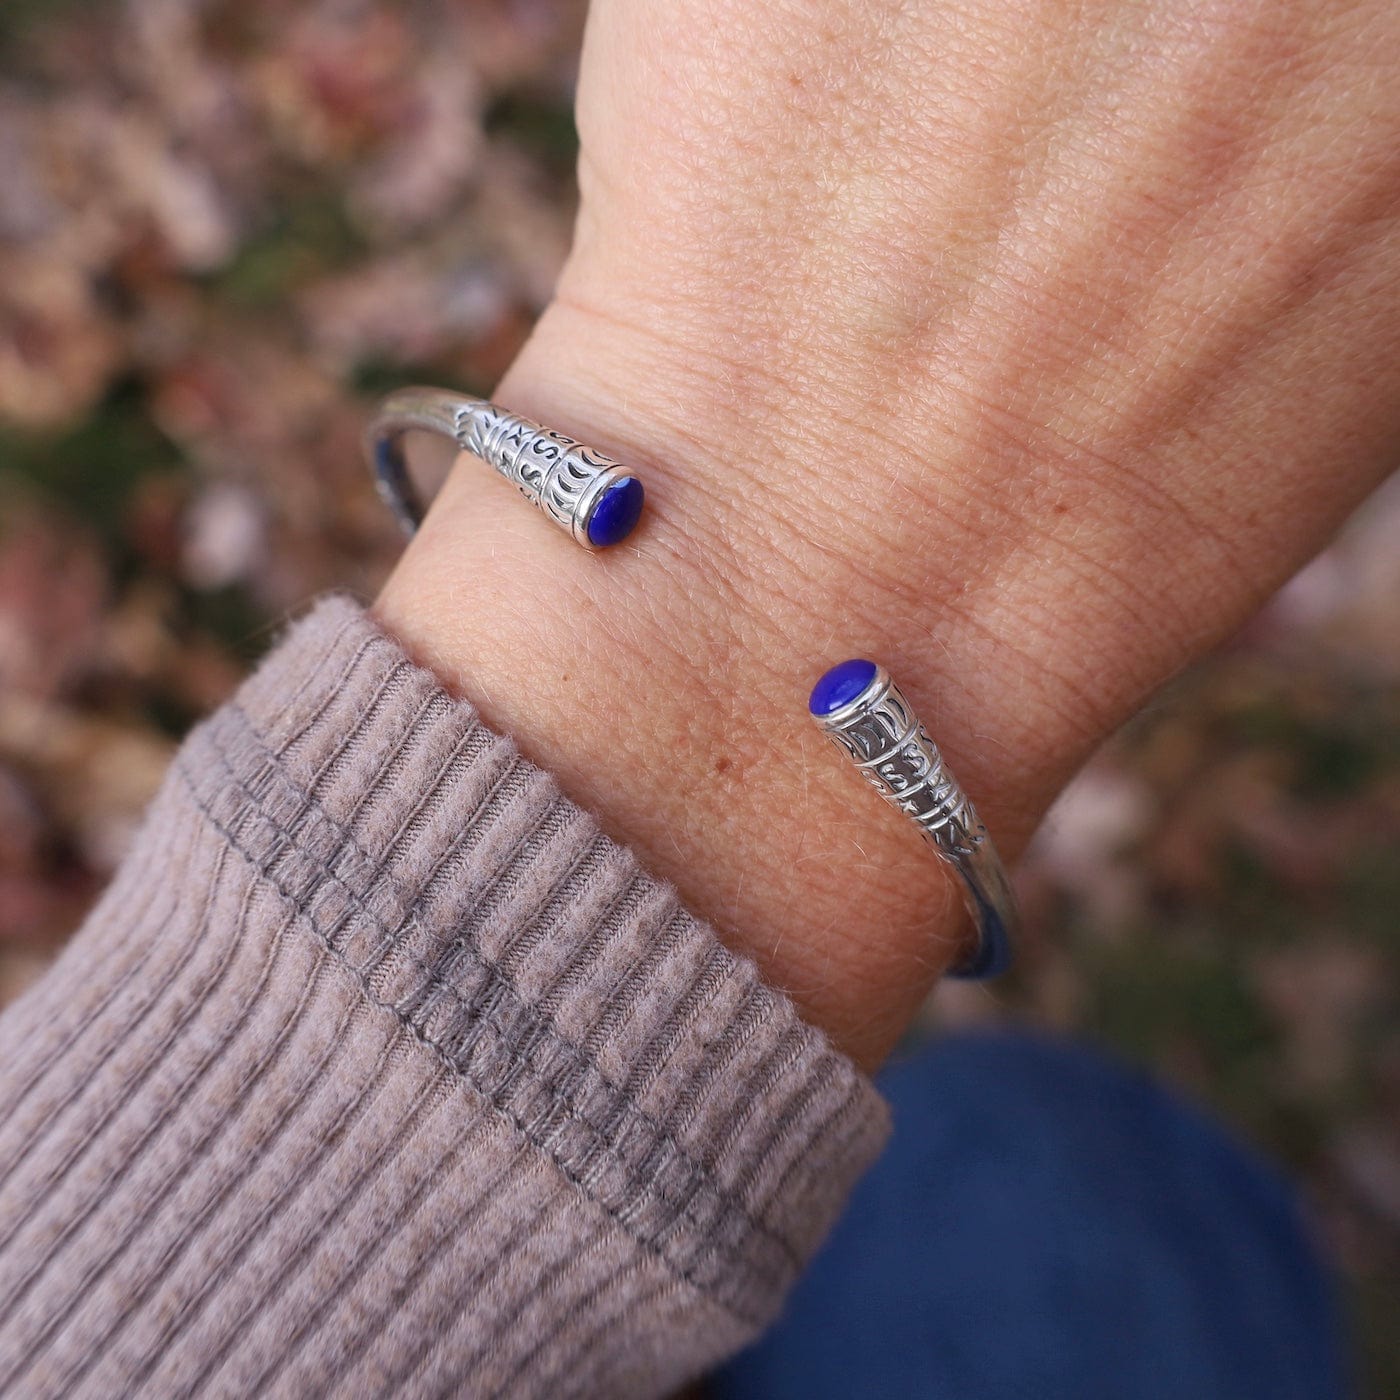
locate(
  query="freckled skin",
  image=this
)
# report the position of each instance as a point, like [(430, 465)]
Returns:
[(1025, 346)]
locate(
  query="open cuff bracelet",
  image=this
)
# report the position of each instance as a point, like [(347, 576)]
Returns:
[(598, 502)]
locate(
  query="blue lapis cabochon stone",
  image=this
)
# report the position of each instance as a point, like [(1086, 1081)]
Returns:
[(616, 513), (840, 686)]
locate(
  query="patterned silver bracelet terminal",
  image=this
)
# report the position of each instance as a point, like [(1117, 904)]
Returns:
[(597, 500), (863, 712)]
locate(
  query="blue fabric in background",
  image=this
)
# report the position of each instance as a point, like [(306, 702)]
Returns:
[(1047, 1225)]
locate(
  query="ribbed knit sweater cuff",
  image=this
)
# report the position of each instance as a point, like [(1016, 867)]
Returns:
[(380, 1063)]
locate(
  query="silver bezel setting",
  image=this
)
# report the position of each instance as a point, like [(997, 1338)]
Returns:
[(588, 503)]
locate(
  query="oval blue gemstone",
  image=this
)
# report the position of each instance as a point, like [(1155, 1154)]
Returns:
[(840, 686), (617, 511)]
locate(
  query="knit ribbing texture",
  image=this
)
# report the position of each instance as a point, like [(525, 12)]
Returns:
[(379, 1070)]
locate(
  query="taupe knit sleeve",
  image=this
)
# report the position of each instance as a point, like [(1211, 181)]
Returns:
[(378, 1070)]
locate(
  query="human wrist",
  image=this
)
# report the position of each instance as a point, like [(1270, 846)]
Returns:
[(665, 681)]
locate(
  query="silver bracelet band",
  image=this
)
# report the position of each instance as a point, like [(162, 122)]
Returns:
[(598, 501), (583, 491), (867, 717)]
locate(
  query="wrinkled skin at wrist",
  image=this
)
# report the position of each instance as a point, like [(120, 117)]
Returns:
[(1025, 347)]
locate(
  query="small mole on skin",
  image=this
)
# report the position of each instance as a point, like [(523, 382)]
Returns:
[(721, 764)]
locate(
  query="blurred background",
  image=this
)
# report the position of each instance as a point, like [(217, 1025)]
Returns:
[(227, 225)]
